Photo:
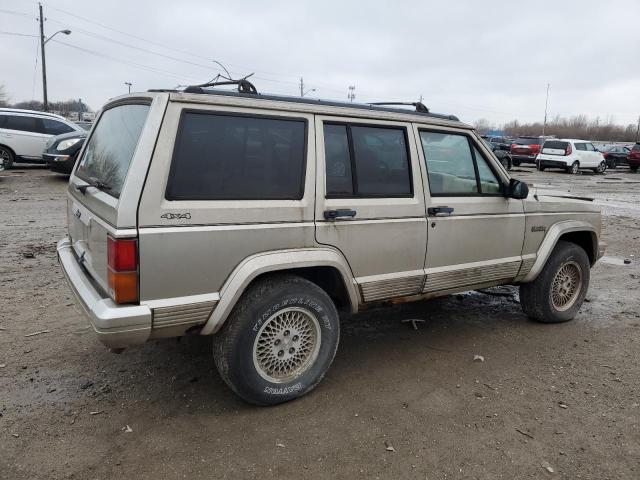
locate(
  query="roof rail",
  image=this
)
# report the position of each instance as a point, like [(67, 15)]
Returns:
[(420, 107), (244, 85)]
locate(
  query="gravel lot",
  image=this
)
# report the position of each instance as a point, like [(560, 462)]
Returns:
[(549, 401)]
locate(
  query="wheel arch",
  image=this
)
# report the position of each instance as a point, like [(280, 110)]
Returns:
[(323, 266), (580, 232), (13, 152)]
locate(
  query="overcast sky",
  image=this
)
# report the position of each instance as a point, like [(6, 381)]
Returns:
[(475, 59)]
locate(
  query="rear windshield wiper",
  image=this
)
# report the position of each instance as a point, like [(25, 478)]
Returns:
[(93, 182)]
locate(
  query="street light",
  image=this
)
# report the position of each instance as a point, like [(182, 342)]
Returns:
[(128, 84), (43, 41)]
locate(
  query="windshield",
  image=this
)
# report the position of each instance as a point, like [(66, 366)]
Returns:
[(108, 154)]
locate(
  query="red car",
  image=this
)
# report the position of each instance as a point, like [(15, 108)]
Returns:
[(525, 149), (634, 158)]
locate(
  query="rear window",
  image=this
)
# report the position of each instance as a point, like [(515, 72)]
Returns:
[(555, 144), (233, 157), (528, 141), (108, 154)]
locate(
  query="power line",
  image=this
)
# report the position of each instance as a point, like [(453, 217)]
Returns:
[(17, 34), (13, 12)]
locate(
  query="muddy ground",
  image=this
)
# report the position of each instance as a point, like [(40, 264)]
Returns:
[(566, 397)]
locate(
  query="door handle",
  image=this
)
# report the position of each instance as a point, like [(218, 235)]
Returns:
[(439, 211), (341, 213)]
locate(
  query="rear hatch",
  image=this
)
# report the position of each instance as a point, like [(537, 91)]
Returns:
[(106, 184), (555, 148), (526, 146)]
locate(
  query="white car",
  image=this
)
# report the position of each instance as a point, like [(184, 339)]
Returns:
[(570, 155), (24, 134)]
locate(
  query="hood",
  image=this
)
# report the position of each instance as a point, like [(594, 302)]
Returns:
[(543, 192), (542, 200)]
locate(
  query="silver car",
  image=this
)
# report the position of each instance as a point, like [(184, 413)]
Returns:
[(257, 219)]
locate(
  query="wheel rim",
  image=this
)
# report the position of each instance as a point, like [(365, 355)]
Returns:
[(574, 168), (601, 167), (566, 286), (4, 154), (286, 345)]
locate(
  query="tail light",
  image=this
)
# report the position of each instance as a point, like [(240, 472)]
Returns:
[(568, 150), (605, 154), (513, 145), (122, 255), (535, 148)]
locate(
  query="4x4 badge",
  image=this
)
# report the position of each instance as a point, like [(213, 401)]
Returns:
[(176, 216)]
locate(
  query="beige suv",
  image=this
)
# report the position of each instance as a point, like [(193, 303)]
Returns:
[(257, 219)]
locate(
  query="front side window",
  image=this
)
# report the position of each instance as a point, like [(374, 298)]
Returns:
[(233, 157), (581, 146), (590, 147), (455, 168), (108, 153), (54, 127), (366, 161), (22, 123)]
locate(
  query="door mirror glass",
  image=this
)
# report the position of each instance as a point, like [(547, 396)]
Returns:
[(517, 189)]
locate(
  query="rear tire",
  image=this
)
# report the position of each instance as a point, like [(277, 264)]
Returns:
[(7, 155), (279, 341), (557, 293), (574, 168)]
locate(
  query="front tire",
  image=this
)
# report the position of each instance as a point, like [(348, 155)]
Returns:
[(279, 341), (557, 293), (7, 156), (601, 167)]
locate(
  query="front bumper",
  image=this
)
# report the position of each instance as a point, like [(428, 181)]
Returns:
[(60, 163), (117, 326)]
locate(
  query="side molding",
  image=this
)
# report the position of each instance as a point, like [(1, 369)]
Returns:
[(551, 239), (260, 263)]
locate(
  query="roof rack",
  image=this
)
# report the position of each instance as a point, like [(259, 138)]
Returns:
[(420, 107), (244, 85)]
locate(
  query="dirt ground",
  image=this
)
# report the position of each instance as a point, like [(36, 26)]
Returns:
[(548, 401)]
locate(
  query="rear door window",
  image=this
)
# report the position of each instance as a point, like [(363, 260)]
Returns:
[(581, 146), (366, 161), (110, 148), (234, 157), (23, 123)]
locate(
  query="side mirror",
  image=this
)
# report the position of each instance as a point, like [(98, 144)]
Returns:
[(517, 189)]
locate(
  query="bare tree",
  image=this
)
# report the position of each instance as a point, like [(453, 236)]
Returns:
[(483, 126), (4, 98), (579, 126)]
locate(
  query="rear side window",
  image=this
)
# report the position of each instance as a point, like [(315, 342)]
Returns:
[(23, 123), (229, 157), (366, 161), (54, 127), (108, 153)]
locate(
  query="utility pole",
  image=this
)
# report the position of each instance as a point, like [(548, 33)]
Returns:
[(638, 131), (128, 84), (546, 104), (301, 87), (45, 101), (352, 93)]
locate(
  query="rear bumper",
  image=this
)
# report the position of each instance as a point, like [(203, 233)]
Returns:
[(552, 163), (117, 326), (523, 158)]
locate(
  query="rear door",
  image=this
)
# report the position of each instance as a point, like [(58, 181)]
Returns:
[(475, 232), (24, 133), (105, 186), (370, 203)]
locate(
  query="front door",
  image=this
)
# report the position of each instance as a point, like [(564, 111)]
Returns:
[(370, 203), (475, 233)]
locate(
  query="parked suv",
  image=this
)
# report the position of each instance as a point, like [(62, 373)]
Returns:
[(257, 219), (634, 158), (525, 149), (24, 133), (571, 156)]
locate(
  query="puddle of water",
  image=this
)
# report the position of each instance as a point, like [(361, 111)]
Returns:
[(614, 261)]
